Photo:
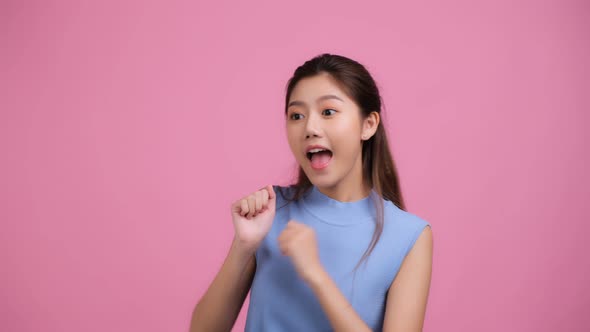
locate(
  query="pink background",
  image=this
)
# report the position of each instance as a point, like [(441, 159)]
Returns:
[(128, 128)]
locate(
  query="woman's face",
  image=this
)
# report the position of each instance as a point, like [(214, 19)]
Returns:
[(320, 113)]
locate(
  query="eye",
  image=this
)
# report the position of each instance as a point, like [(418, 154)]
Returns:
[(329, 109), (294, 114)]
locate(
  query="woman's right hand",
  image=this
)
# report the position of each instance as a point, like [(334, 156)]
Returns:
[(252, 217)]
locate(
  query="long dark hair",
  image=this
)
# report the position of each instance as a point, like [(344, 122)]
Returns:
[(379, 170)]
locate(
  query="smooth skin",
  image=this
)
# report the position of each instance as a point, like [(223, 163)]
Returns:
[(342, 130)]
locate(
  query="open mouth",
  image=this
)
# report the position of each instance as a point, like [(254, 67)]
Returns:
[(323, 153), (320, 159)]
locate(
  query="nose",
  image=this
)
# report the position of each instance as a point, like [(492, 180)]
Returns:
[(312, 126)]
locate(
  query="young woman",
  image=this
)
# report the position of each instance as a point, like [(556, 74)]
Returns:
[(300, 248)]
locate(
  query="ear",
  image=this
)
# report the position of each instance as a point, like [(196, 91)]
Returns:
[(370, 124)]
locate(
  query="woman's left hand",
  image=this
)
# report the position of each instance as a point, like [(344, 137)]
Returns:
[(298, 241)]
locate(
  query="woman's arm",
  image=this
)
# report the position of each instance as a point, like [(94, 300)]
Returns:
[(341, 314), (406, 299), (408, 293), (298, 241), (220, 306)]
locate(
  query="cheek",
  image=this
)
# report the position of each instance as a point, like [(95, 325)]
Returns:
[(293, 142), (348, 127), (347, 143)]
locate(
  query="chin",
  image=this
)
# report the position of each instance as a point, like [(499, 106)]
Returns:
[(321, 181)]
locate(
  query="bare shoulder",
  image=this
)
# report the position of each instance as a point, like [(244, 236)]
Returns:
[(425, 238)]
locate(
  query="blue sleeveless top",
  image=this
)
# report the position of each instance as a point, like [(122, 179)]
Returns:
[(281, 301)]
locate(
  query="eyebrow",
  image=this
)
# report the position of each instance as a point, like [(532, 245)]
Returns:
[(300, 103)]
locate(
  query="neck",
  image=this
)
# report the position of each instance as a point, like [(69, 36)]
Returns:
[(344, 195)]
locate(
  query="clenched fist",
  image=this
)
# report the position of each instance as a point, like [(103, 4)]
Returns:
[(253, 216), (298, 241)]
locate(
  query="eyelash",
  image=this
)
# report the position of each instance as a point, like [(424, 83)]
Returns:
[(327, 109)]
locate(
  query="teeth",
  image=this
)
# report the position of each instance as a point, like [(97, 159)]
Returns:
[(315, 150)]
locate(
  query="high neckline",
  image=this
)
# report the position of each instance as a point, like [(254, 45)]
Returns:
[(336, 212)]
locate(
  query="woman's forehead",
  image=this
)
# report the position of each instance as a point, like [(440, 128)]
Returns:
[(317, 89)]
